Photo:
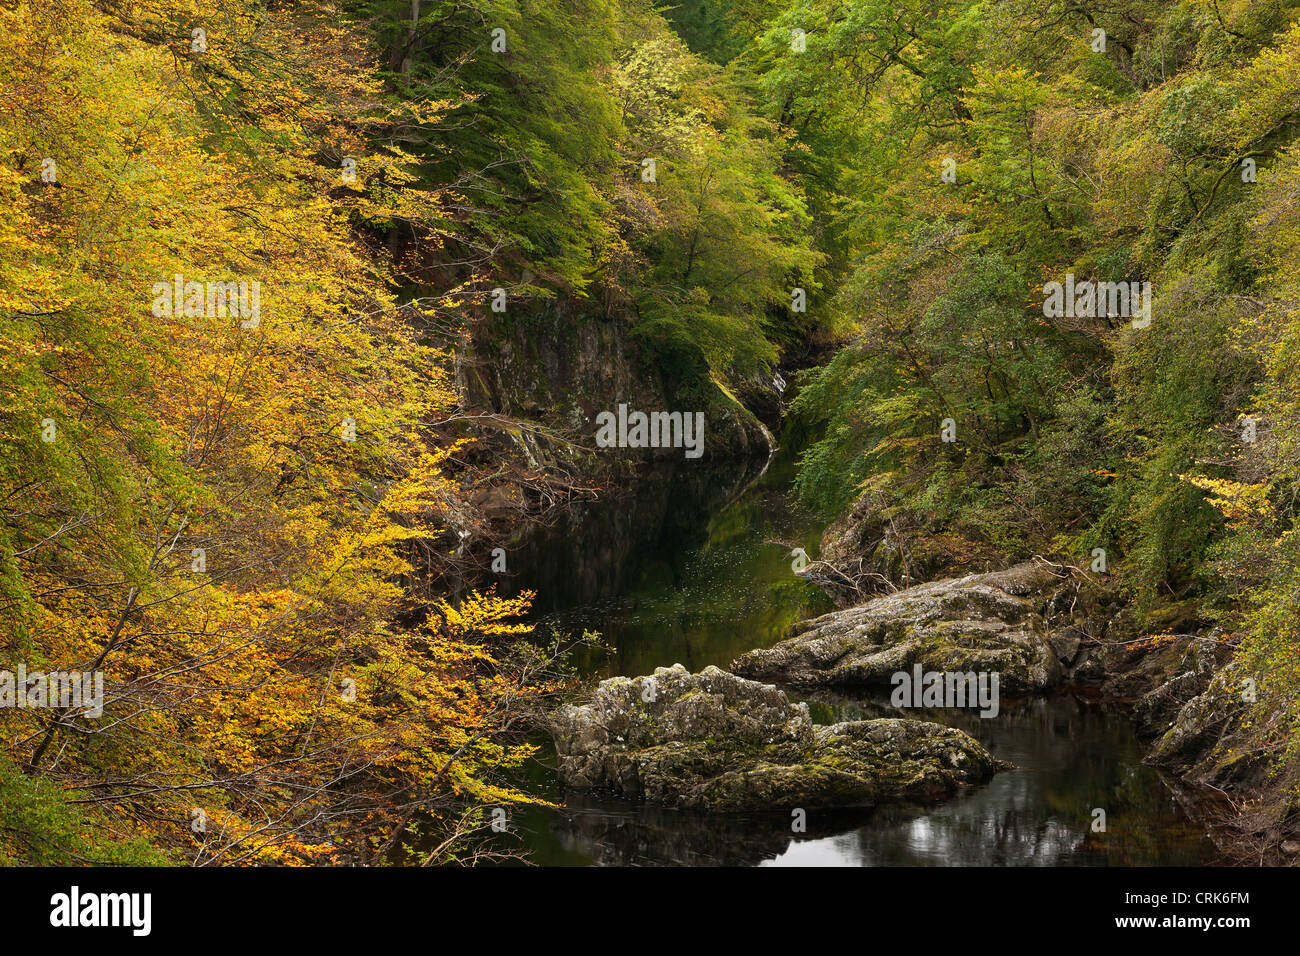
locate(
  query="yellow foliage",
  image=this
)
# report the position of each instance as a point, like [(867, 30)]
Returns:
[(203, 524)]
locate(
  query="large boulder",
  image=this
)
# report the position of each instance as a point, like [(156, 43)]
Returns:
[(714, 741), (990, 622)]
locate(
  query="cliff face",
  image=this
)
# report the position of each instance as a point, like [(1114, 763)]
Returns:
[(560, 364)]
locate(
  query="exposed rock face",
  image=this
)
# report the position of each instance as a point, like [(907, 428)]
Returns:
[(714, 741), (982, 622), (1199, 742), (1204, 738), (560, 363), (875, 548), (1189, 696), (1169, 678)]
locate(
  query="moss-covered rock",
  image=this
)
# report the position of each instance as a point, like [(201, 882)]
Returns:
[(982, 622), (1202, 742), (714, 741)]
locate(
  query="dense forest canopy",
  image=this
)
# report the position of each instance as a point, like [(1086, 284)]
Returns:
[(243, 514)]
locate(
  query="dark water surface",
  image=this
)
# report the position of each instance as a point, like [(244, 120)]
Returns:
[(666, 582)]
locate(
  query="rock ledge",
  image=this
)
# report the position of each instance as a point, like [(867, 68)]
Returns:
[(981, 622)]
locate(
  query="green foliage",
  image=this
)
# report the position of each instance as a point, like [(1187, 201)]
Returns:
[(546, 150), (1135, 162), (41, 825), (707, 27), (1063, 158)]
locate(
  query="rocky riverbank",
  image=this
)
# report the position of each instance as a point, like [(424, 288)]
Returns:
[(1012, 622), (720, 741), (1188, 697)]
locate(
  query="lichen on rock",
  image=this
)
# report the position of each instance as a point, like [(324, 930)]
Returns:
[(981, 622), (715, 741)]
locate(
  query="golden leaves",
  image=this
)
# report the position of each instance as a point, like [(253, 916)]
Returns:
[(203, 518)]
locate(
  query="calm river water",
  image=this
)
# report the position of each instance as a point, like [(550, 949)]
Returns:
[(666, 583)]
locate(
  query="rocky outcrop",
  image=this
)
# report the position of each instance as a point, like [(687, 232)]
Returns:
[(1013, 622), (714, 741), (873, 547), (1188, 698), (1199, 742), (1167, 677), (1213, 739), (559, 364)]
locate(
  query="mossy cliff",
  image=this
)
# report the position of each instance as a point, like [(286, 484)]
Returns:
[(558, 364)]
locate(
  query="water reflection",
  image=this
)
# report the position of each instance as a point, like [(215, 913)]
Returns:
[(710, 583), (629, 543), (1071, 757)]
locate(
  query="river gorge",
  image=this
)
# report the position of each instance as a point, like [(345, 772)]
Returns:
[(668, 577)]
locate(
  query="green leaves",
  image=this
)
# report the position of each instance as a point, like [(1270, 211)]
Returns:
[(954, 166), (46, 828)]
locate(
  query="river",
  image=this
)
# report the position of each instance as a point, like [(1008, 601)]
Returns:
[(666, 580)]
